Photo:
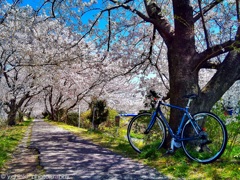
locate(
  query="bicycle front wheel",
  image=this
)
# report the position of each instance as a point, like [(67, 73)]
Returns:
[(208, 144), (140, 141)]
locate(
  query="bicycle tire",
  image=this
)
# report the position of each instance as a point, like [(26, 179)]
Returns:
[(142, 142), (212, 143)]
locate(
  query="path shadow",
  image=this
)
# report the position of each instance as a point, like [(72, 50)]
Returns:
[(62, 153)]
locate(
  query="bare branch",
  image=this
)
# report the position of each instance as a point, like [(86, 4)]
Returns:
[(7, 13), (204, 25), (155, 17), (206, 9), (237, 6), (151, 45), (53, 13), (109, 29), (125, 6), (40, 8), (224, 72), (90, 29)]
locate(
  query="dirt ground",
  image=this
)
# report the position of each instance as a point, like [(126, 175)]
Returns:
[(24, 162)]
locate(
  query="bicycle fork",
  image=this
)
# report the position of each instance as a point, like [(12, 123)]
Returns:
[(150, 125)]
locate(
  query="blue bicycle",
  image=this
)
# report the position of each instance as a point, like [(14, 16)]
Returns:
[(203, 136)]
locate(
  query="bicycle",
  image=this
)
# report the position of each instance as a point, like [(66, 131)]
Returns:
[(203, 136)]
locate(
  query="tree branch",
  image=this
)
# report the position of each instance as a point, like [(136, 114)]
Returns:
[(8, 11), (155, 17), (109, 30), (204, 25), (214, 51), (135, 11), (227, 73), (159, 21), (237, 6), (94, 23), (206, 9), (151, 45)]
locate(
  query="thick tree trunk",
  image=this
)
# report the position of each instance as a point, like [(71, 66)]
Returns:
[(185, 62), (14, 106), (182, 82), (12, 118), (12, 113)]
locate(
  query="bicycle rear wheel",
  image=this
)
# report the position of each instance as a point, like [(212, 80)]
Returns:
[(140, 141), (211, 141)]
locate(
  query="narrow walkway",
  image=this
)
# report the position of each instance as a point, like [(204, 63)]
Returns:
[(63, 155), (24, 162)]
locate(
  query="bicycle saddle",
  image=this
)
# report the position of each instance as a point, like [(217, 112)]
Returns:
[(191, 96)]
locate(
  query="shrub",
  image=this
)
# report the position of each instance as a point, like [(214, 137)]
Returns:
[(112, 114), (110, 121), (99, 111), (232, 123), (73, 118), (85, 119)]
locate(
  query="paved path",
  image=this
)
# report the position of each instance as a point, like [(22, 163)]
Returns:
[(63, 155)]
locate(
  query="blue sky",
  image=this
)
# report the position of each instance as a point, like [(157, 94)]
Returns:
[(33, 3), (37, 3)]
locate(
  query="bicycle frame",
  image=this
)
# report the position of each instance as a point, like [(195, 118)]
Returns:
[(202, 136), (185, 114)]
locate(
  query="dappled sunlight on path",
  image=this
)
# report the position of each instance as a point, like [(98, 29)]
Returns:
[(64, 154)]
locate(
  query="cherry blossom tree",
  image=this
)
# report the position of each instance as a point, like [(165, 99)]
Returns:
[(165, 41), (190, 35), (48, 43), (20, 49)]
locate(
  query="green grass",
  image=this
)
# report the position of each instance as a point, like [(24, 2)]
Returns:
[(174, 166), (9, 139)]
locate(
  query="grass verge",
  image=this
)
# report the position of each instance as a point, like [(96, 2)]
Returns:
[(10, 136)]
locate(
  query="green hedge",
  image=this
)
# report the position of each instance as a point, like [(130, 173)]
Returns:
[(85, 121)]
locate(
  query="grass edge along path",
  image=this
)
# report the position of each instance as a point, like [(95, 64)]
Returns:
[(174, 166), (10, 137)]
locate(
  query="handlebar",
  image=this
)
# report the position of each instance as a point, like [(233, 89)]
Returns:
[(157, 97), (155, 94)]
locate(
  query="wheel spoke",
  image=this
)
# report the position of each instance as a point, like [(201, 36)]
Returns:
[(140, 140), (212, 139)]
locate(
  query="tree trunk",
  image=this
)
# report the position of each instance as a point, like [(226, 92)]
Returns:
[(182, 82), (12, 118), (12, 113), (181, 51)]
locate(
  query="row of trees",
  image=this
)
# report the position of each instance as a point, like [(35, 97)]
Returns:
[(65, 51), (50, 71)]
